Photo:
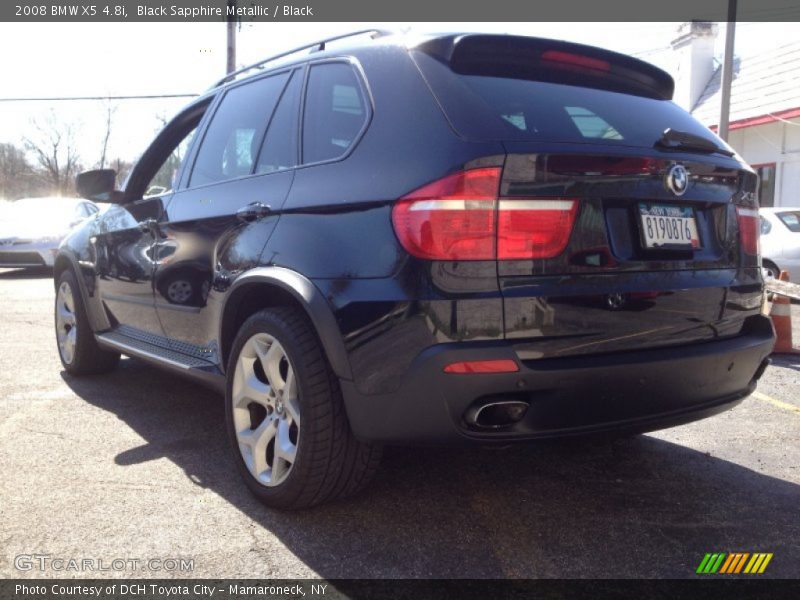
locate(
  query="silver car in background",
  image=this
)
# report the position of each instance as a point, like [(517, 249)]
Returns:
[(780, 241), (32, 228)]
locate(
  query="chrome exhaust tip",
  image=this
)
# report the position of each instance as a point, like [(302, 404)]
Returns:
[(496, 414)]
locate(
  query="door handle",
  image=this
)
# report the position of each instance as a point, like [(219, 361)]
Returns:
[(149, 226), (253, 212)]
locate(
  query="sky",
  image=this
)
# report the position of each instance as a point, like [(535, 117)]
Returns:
[(100, 59)]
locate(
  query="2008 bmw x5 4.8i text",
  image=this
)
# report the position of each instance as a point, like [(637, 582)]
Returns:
[(454, 238)]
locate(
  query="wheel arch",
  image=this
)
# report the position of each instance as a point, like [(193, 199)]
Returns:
[(263, 287), (61, 264)]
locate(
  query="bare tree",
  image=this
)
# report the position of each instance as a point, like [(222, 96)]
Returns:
[(110, 110), (123, 169), (54, 150), (17, 177)]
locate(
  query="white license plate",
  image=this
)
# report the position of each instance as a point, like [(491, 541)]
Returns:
[(665, 226)]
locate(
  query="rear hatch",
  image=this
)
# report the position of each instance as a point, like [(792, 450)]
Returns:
[(622, 222)]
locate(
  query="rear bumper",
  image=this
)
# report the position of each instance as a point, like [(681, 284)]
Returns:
[(625, 391)]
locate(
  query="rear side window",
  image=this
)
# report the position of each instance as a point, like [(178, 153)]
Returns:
[(791, 220), (335, 112), (483, 107), (234, 136)]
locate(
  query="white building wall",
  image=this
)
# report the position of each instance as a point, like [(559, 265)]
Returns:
[(779, 143), (789, 183)]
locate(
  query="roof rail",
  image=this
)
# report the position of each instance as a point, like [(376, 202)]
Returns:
[(317, 46)]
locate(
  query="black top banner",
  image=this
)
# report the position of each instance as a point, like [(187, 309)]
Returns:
[(400, 11)]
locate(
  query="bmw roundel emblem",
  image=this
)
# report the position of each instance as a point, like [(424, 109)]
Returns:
[(677, 180)]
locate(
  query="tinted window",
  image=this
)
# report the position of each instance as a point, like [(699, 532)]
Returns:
[(232, 139), (590, 125), (279, 150), (335, 112), (484, 107), (168, 174), (791, 220)]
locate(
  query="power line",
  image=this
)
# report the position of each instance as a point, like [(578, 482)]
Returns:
[(68, 98)]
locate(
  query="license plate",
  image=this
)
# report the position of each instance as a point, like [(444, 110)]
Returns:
[(666, 226)]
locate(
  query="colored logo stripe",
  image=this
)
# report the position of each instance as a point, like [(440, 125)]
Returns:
[(758, 563), (727, 564), (733, 563), (711, 563)]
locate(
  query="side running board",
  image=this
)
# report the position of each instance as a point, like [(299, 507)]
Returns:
[(194, 367)]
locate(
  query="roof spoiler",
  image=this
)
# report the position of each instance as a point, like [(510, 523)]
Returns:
[(552, 61)]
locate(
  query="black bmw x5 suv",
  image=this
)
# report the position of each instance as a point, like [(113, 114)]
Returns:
[(456, 238)]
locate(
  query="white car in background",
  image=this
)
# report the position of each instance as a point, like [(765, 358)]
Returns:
[(780, 241), (32, 228)]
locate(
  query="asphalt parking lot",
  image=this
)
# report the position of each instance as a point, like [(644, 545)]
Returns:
[(135, 465)]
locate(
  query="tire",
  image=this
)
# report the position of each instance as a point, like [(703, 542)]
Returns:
[(77, 348), (771, 269), (285, 416)]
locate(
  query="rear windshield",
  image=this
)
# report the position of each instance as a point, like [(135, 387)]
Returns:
[(791, 220), (502, 108)]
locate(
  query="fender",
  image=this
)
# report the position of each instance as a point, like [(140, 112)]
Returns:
[(307, 295), (98, 320)]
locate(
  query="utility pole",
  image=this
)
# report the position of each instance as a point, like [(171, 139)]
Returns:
[(727, 72), (231, 62)]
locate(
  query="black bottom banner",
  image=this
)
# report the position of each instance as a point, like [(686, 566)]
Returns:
[(389, 589)]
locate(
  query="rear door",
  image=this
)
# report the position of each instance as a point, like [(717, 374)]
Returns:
[(217, 224)]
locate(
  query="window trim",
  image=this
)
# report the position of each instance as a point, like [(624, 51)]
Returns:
[(202, 105), (369, 104), (299, 72)]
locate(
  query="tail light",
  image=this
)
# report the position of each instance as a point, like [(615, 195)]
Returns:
[(570, 60), (460, 217), (452, 218), (483, 366), (749, 227), (536, 228)]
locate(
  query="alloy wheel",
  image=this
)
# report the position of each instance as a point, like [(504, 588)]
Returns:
[(66, 323), (266, 410)]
